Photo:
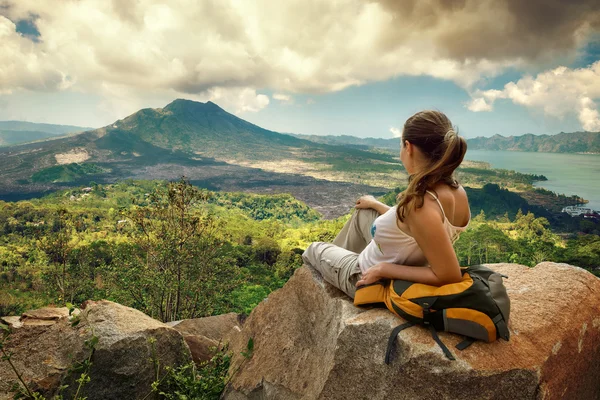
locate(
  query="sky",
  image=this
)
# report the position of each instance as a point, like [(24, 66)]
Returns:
[(354, 67)]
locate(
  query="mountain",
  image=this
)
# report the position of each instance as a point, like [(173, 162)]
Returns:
[(15, 132), (574, 142), (201, 141), (204, 128)]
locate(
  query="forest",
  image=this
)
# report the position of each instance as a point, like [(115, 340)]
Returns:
[(175, 251)]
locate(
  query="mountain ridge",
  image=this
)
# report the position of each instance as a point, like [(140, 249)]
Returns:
[(563, 142), (18, 132)]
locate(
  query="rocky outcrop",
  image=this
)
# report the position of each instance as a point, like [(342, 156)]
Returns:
[(45, 346), (205, 335), (310, 342)]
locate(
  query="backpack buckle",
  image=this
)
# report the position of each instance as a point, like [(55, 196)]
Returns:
[(426, 314)]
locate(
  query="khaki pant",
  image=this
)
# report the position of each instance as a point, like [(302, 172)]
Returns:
[(338, 261)]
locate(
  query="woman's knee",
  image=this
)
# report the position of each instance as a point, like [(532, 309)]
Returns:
[(312, 253), (364, 213)]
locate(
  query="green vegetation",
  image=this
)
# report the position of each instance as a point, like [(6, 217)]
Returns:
[(170, 250), (175, 251), (282, 207), (66, 173), (482, 176)]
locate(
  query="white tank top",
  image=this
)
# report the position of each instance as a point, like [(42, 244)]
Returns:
[(391, 244)]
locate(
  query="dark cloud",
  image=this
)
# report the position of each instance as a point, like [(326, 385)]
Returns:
[(533, 30)]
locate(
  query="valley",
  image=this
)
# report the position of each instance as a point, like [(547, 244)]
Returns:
[(219, 151)]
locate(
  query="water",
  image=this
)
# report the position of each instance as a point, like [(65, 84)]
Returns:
[(567, 173)]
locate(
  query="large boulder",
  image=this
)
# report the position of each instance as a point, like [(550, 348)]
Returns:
[(310, 342), (206, 335), (44, 349)]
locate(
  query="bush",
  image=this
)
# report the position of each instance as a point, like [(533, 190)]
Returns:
[(205, 382)]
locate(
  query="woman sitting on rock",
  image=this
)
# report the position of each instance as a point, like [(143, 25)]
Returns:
[(412, 240)]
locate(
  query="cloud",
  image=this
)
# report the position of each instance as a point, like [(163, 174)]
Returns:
[(284, 98), (242, 100), (231, 49), (23, 67), (557, 93), (588, 115), (479, 104), (396, 132), (496, 30)]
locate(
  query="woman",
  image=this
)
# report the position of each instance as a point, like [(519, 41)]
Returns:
[(412, 240)]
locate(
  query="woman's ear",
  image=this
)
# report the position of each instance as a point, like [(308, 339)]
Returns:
[(408, 146)]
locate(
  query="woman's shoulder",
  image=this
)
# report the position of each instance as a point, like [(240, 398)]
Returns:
[(453, 202)]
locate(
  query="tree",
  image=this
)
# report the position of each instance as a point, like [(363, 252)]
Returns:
[(57, 246), (180, 269)]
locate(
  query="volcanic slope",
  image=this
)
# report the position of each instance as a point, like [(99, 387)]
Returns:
[(210, 146)]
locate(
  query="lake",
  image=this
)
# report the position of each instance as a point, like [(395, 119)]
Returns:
[(567, 173)]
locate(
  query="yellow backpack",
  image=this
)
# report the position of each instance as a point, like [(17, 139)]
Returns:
[(477, 307)]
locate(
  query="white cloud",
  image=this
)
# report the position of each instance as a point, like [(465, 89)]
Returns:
[(192, 46), (557, 92), (242, 100), (284, 98), (588, 115), (229, 49), (479, 104), (23, 66), (396, 132)]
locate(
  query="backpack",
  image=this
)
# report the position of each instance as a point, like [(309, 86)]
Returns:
[(477, 306)]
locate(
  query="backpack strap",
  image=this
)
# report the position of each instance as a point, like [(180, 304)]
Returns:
[(392, 340), (465, 343), (435, 336), (501, 327), (429, 318)]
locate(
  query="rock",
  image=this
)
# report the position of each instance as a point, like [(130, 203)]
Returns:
[(44, 316), (310, 342), (120, 365), (12, 321), (204, 335)]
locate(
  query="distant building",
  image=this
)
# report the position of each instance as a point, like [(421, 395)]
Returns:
[(574, 211)]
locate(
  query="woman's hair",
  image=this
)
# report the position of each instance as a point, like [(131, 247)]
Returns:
[(433, 133)]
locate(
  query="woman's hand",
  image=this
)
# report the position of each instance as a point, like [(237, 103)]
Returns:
[(367, 201), (372, 275)]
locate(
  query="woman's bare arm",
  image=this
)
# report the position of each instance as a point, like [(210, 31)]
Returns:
[(427, 228)]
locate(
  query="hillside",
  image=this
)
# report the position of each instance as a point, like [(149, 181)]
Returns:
[(218, 151), (575, 142), (15, 132), (353, 141), (210, 146)]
